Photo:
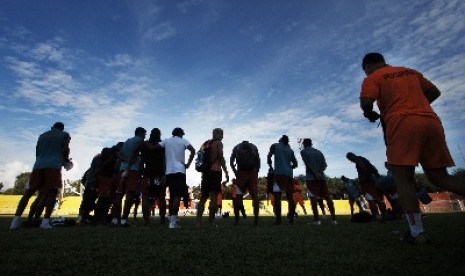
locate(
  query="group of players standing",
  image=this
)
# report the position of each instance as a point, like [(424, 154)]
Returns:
[(412, 131)]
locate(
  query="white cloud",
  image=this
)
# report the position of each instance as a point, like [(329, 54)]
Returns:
[(160, 32), (120, 60), (9, 171)]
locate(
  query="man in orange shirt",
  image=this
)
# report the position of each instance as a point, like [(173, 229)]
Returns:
[(211, 179), (413, 133)]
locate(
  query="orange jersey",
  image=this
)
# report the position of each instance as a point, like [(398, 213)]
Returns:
[(398, 91), (414, 133), (297, 195)]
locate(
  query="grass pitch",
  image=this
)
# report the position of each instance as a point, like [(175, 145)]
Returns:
[(298, 249)]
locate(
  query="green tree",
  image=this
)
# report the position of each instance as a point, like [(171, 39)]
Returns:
[(336, 187), (20, 183), (423, 182), (1, 186)]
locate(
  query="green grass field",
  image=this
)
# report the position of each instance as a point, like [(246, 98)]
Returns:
[(299, 249)]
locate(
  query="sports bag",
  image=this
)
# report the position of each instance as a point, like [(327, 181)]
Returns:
[(202, 161)]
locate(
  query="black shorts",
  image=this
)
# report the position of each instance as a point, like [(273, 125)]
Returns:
[(211, 182), (177, 184), (155, 188)]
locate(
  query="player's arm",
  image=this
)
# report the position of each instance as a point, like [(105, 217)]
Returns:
[(66, 149), (223, 161), (232, 161), (432, 94), (324, 165), (258, 158), (270, 154), (366, 104), (294, 163), (191, 156)]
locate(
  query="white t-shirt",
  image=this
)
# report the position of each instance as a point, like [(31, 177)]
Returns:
[(175, 154)]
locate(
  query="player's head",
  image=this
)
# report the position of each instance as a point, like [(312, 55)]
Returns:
[(59, 126), (284, 139), (140, 131), (307, 142), (178, 132), (372, 61), (351, 156), (155, 135), (217, 134)]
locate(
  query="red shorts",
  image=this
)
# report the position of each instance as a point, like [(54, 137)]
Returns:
[(45, 179), (298, 199), (284, 182), (106, 186), (247, 179), (417, 139), (319, 188), (130, 183)]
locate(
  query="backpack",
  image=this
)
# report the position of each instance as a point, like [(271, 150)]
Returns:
[(246, 156), (202, 161), (361, 217)]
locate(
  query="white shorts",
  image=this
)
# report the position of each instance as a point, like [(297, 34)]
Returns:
[(368, 196), (276, 188)]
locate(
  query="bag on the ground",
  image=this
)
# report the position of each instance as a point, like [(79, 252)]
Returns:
[(246, 156), (61, 221), (202, 161), (361, 217)]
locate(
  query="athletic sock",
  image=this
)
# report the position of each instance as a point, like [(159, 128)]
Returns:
[(15, 222), (416, 226)]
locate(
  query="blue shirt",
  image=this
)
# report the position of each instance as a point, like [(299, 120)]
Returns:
[(283, 159), (316, 160), (351, 188), (387, 184), (129, 149), (49, 149)]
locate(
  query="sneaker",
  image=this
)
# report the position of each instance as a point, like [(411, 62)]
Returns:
[(45, 225), (114, 222), (15, 223), (316, 222), (174, 225), (334, 222), (126, 224), (423, 238)]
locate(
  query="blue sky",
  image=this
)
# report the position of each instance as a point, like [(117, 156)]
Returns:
[(257, 69)]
